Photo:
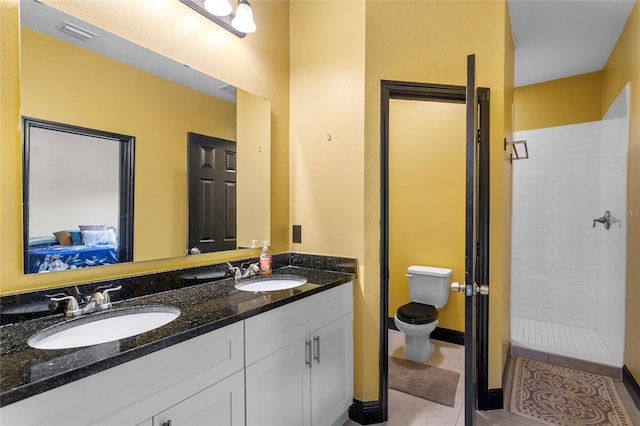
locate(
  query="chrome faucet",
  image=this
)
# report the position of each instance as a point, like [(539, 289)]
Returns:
[(236, 272), (103, 300), (98, 301), (251, 270)]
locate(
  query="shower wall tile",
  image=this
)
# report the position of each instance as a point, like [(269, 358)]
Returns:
[(612, 243), (563, 270)]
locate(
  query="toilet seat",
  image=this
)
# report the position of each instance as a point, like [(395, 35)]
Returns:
[(417, 313)]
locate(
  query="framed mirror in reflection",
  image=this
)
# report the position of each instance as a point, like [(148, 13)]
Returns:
[(77, 197), (115, 87)]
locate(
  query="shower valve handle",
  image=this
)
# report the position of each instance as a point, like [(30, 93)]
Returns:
[(605, 220)]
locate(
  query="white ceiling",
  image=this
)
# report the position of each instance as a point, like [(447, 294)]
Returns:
[(562, 38), (553, 39)]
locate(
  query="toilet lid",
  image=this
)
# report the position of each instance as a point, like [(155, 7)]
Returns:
[(417, 313)]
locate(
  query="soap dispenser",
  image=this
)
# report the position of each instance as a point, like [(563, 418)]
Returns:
[(265, 260)]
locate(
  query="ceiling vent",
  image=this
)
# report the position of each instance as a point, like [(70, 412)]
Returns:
[(77, 32)]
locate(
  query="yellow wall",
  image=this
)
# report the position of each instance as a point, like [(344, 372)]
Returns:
[(254, 151), (429, 42), (326, 154), (64, 83), (622, 67), (559, 102), (426, 198), (10, 154), (500, 301), (259, 65), (327, 62)]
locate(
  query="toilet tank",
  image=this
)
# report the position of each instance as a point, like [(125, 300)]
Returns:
[(429, 285)]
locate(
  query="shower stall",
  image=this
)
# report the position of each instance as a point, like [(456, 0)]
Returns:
[(568, 251)]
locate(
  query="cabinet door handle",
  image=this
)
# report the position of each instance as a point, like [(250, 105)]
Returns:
[(316, 356), (308, 353)]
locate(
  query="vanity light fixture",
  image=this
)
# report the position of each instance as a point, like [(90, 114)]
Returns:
[(220, 12), (243, 21), (218, 7)]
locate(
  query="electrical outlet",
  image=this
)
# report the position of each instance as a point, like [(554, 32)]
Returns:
[(297, 234)]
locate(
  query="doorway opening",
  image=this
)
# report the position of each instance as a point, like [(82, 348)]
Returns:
[(392, 90)]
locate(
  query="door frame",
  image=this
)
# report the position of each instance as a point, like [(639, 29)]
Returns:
[(126, 174), (390, 89)]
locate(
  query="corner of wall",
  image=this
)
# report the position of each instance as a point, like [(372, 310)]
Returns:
[(623, 66), (10, 182)]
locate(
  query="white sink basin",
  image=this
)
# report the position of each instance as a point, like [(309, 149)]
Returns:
[(276, 282), (103, 327)]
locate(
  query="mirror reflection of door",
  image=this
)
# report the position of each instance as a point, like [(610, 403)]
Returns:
[(212, 173)]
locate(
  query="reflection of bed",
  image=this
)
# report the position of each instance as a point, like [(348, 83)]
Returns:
[(40, 259), (72, 250)]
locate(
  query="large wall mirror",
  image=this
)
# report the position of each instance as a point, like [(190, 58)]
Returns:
[(79, 76)]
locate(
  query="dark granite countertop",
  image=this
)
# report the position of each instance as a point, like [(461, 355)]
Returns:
[(204, 307)]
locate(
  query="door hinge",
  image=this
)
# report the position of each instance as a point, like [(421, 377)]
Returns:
[(478, 135)]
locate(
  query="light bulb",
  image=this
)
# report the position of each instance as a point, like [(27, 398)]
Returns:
[(218, 7), (243, 21)]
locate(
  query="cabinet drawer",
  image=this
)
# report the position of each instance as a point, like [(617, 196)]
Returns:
[(134, 391), (275, 329), (219, 405)]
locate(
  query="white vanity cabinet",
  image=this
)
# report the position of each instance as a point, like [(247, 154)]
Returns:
[(332, 371), (194, 374), (292, 365), (299, 361)]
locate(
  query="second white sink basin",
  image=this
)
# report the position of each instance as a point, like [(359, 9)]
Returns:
[(103, 327), (272, 283)]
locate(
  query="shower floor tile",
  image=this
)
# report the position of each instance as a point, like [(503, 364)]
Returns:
[(560, 339)]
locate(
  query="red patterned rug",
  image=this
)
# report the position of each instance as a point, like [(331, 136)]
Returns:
[(562, 396)]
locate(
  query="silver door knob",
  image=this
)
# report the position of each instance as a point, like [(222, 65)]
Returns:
[(483, 289), (461, 287), (194, 250), (457, 287)]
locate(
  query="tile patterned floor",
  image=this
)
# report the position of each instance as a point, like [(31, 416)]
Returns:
[(407, 410)]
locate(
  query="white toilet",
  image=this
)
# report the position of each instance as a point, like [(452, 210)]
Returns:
[(428, 290)]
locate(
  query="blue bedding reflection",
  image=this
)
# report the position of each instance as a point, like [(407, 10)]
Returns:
[(60, 258)]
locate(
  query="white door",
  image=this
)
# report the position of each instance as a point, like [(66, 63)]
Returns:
[(332, 371), (278, 387)]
